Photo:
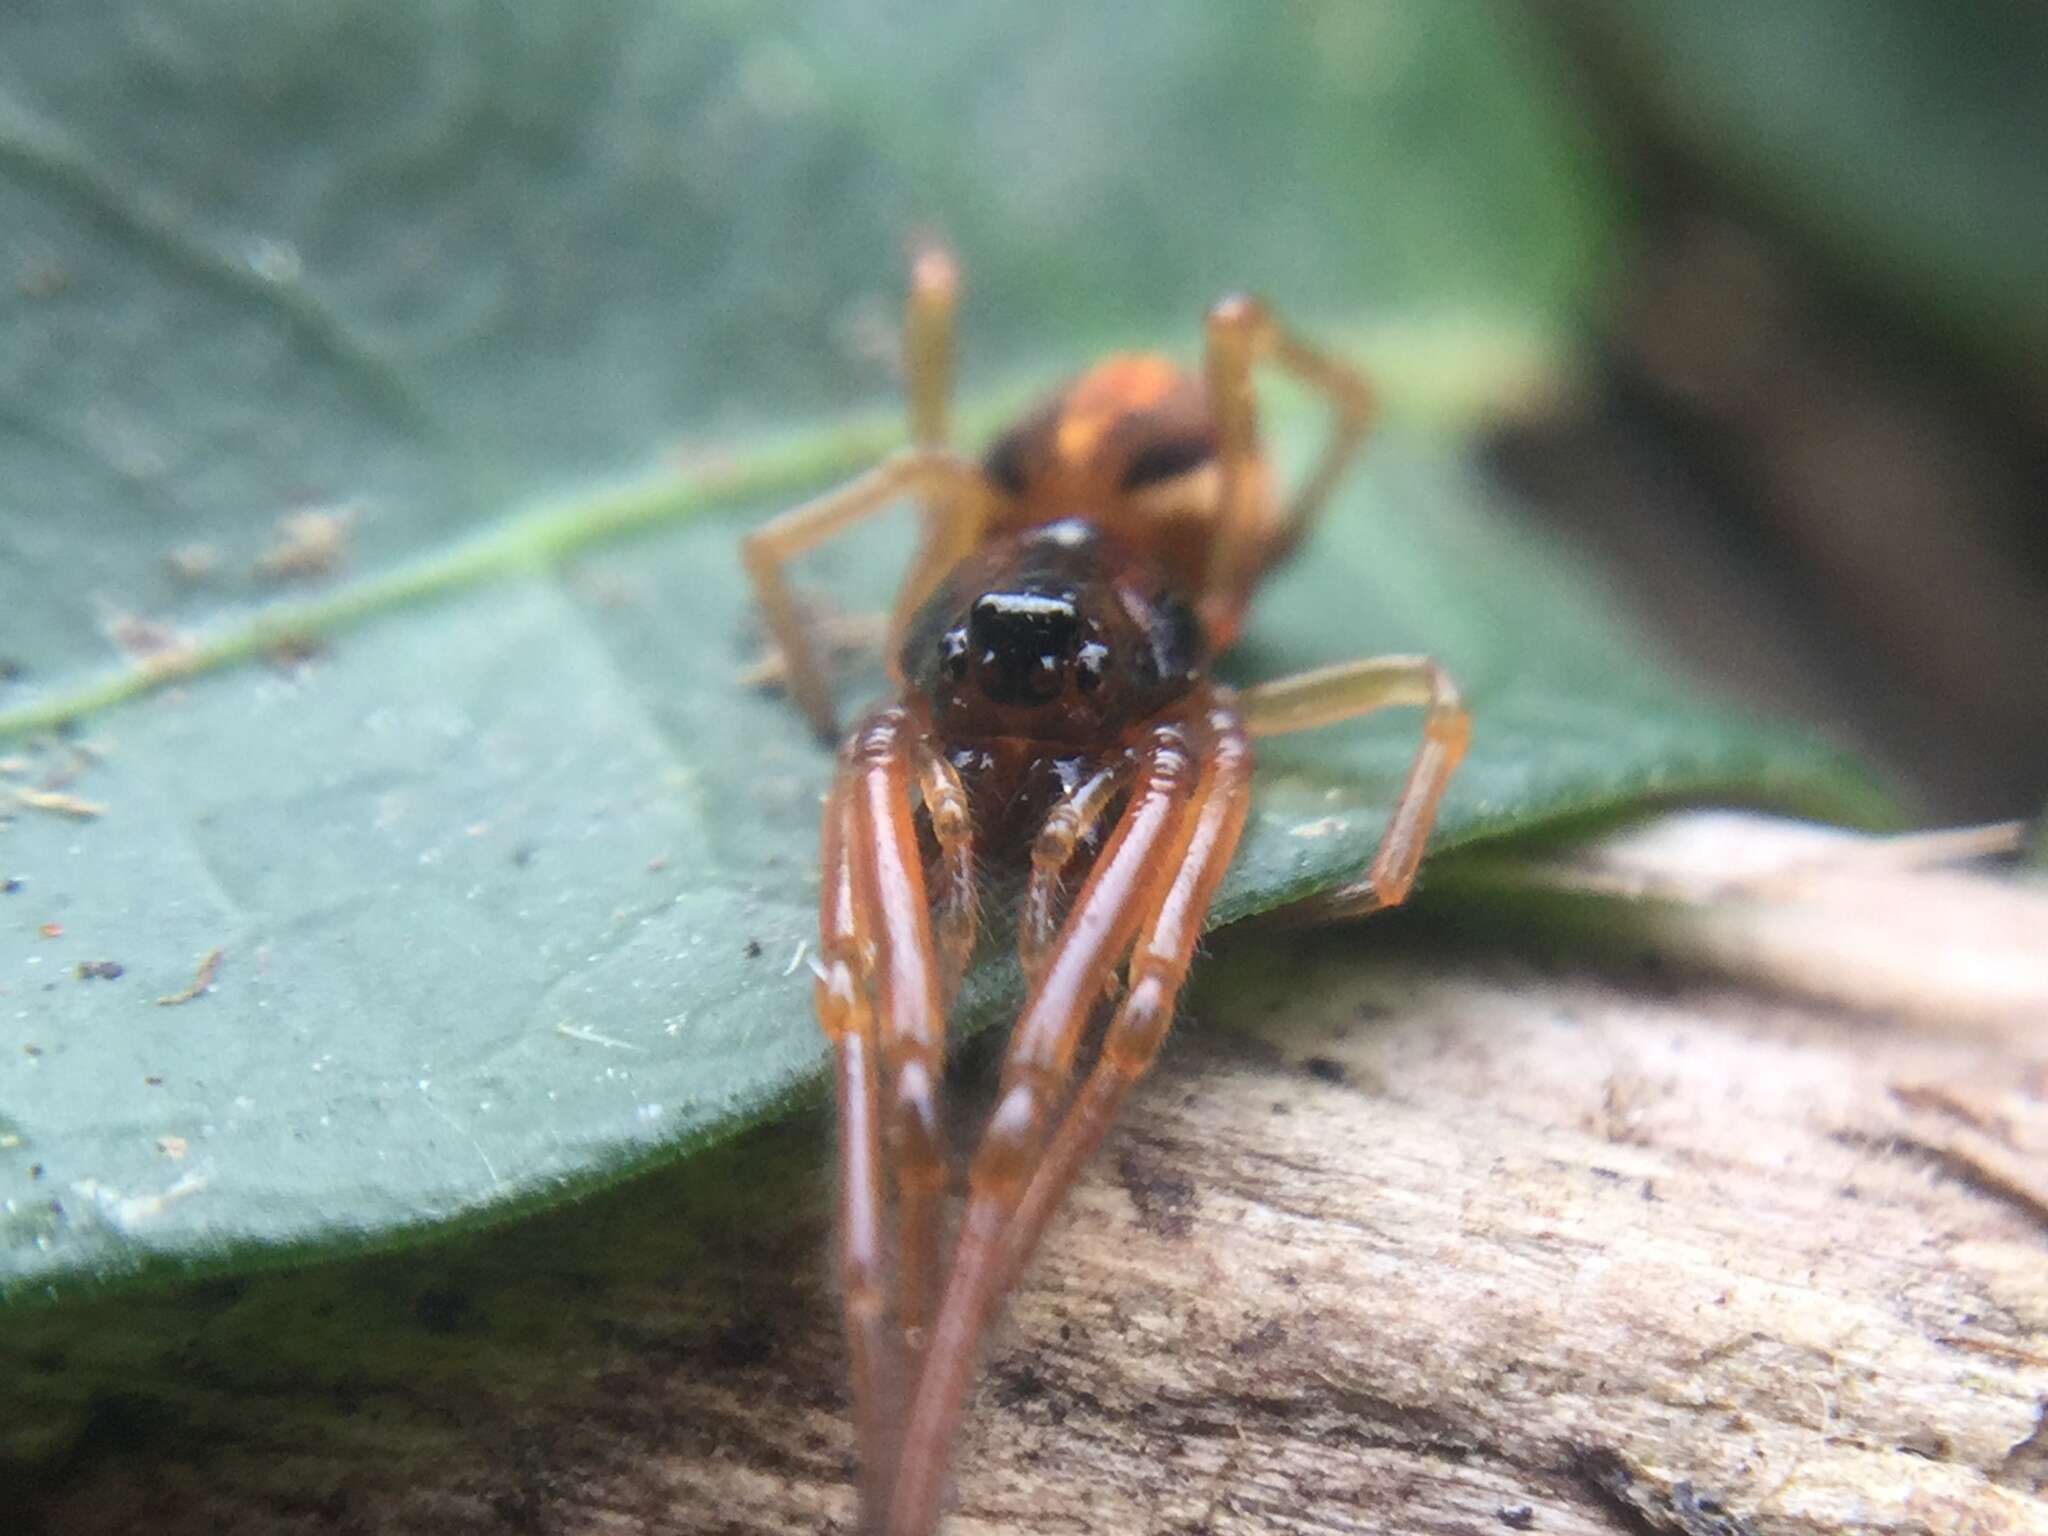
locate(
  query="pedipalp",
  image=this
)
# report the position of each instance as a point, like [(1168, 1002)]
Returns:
[(1053, 851)]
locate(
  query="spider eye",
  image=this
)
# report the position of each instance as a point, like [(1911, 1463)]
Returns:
[(1022, 642), (953, 655), (1089, 664), (1166, 458)]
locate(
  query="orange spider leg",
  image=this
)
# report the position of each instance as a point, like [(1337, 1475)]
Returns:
[(928, 342), (1344, 692), (940, 479), (1128, 880), (1243, 333), (952, 524), (1159, 965), (873, 1347), (1053, 850), (907, 985), (928, 386)]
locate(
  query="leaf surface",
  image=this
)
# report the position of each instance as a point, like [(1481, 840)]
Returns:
[(511, 880)]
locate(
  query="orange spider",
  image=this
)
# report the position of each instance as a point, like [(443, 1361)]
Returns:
[(1054, 714)]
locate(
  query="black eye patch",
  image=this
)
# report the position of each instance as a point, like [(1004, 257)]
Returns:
[(1024, 642), (1167, 458), (1004, 464)]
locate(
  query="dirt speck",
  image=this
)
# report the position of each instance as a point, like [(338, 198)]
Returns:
[(308, 544), (291, 652), (741, 1344), (148, 642), (1263, 1339), (1164, 1201), (1324, 1070)]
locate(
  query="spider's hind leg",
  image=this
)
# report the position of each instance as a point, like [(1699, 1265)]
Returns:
[(939, 479), (1251, 537), (928, 342), (945, 484)]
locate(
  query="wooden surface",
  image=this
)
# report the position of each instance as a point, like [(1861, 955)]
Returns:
[(1402, 1237)]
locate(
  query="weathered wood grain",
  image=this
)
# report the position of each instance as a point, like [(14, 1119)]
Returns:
[(1403, 1237)]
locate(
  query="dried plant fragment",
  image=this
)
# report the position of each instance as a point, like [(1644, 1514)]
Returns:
[(208, 969), (309, 545)]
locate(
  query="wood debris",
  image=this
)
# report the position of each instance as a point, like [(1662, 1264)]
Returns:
[(57, 801), (203, 980), (309, 544)]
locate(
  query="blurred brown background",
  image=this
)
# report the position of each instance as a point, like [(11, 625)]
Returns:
[(1816, 453)]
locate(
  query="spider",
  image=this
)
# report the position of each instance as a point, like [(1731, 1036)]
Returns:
[(1054, 717)]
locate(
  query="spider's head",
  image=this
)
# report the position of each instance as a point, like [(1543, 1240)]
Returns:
[(1051, 635)]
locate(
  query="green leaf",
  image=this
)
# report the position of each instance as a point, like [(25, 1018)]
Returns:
[(511, 878)]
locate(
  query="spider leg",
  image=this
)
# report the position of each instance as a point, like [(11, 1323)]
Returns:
[(953, 522), (1159, 964), (1130, 878), (928, 386), (844, 972), (1357, 688), (1053, 850), (1243, 333), (938, 478), (928, 341), (908, 988)]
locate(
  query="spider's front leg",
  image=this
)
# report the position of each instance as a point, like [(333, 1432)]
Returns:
[(909, 987), (1151, 884), (1159, 964), (877, 935), (845, 974)]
